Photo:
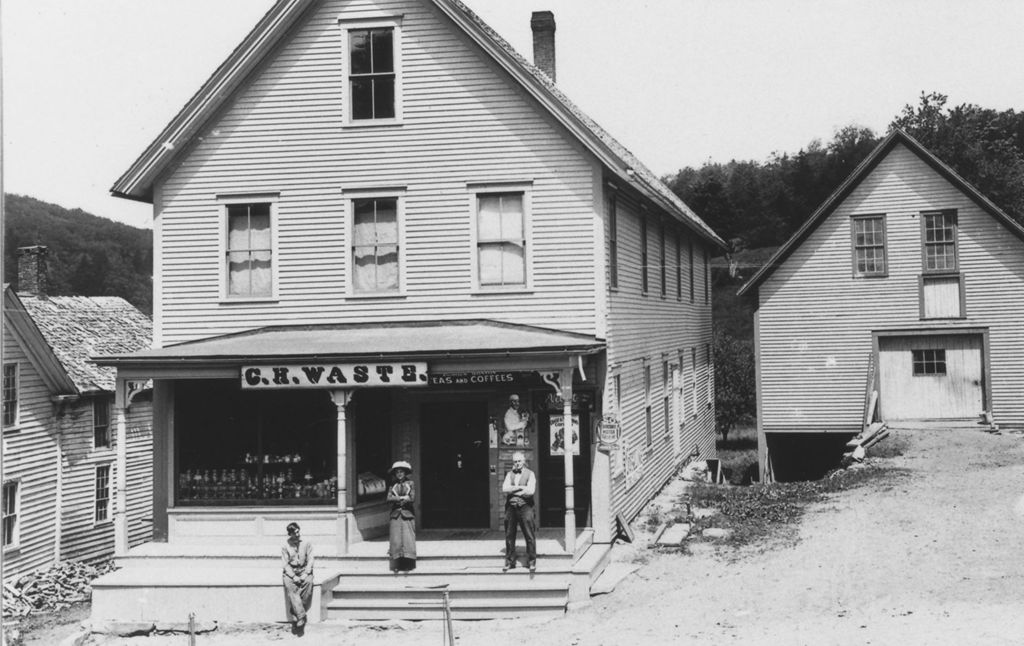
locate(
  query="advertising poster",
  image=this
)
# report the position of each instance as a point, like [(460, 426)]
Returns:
[(557, 423)]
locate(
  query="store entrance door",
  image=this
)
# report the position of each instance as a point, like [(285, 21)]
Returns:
[(455, 483)]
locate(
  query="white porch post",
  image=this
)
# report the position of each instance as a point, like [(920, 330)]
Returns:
[(341, 398), (121, 402), (570, 507)]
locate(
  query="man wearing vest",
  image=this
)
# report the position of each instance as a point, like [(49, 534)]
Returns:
[(519, 486)]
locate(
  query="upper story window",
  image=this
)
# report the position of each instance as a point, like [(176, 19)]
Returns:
[(10, 395), (373, 60), (662, 258), (707, 276), (666, 391), (9, 518), (648, 428), (679, 269), (643, 253), (869, 257), (939, 238), (375, 245), (501, 239), (249, 250), (613, 241), (691, 271), (101, 422)]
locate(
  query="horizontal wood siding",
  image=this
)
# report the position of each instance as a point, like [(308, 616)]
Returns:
[(649, 326), (816, 320), (30, 457), (464, 122)]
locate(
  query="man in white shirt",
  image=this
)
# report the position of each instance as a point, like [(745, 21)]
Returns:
[(519, 487)]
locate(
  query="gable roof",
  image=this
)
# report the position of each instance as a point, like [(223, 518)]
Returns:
[(73, 328), (21, 327), (137, 182), (854, 180)]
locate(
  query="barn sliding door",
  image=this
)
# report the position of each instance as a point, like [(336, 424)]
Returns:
[(931, 377)]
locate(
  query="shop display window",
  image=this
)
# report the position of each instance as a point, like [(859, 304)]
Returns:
[(370, 409), (237, 447)]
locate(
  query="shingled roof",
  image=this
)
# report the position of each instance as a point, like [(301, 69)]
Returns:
[(137, 182), (79, 327)]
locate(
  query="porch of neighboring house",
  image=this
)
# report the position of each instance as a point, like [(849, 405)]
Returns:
[(226, 581)]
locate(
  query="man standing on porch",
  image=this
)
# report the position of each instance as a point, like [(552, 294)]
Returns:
[(519, 487)]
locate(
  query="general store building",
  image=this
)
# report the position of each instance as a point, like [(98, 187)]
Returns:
[(374, 224)]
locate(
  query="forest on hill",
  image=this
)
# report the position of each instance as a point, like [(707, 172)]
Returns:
[(88, 255)]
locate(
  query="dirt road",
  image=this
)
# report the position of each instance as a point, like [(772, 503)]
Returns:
[(931, 558)]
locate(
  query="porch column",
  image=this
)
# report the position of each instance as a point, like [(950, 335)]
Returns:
[(126, 391), (570, 506), (341, 398)]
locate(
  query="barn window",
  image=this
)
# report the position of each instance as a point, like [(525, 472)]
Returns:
[(939, 241), (929, 362), (869, 245)]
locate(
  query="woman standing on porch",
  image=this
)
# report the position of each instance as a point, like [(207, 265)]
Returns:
[(401, 495)]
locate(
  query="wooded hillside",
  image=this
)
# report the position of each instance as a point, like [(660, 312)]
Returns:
[(88, 255)]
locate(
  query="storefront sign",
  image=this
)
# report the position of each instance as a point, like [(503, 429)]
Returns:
[(608, 430), (340, 375), (483, 379)]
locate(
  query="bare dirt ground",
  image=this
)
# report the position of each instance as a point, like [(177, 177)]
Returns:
[(930, 557)]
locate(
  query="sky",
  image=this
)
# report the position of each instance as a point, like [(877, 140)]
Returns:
[(88, 84)]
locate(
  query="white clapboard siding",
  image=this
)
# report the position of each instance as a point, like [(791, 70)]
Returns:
[(658, 329), (464, 121), (30, 457), (816, 320)]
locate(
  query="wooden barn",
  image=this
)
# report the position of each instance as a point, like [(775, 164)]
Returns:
[(901, 299), (59, 446), (374, 225)]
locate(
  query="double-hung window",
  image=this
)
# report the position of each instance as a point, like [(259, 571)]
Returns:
[(662, 259), (10, 395), (249, 250), (501, 240), (101, 422), (691, 270), (9, 518), (649, 431), (869, 257), (373, 61), (375, 245), (613, 241), (643, 253), (939, 240), (666, 392), (102, 505), (679, 269)]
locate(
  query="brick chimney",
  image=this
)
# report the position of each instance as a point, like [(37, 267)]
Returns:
[(33, 277), (543, 25)]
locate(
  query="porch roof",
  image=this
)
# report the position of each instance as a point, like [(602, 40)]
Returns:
[(364, 341)]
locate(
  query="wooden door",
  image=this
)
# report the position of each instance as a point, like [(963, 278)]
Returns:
[(931, 377), (455, 481)]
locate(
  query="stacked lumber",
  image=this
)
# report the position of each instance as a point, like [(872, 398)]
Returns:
[(54, 588), (872, 435)]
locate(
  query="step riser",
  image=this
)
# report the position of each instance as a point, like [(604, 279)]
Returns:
[(401, 597), (367, 566), (494, 579), (435, 614)]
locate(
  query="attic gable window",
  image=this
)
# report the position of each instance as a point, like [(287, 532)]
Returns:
[(373, 68), (869, 248)]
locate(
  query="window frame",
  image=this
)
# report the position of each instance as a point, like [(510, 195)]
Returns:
[(15, 423), (663, 270), (884, 273), (476, 191), (666, 394), (240, 199), (707, 274), (679, 267), (96, 490), (692, 299), (383, 21), (710, 376), (693, 382), (644, 253), (15, 542), (925, 215), (929, 364), (100, 402), (648, 422), (353, 195)]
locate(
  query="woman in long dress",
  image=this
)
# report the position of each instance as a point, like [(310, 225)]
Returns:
[(402, 495)]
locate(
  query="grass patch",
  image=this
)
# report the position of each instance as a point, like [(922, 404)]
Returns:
[(738, 455)]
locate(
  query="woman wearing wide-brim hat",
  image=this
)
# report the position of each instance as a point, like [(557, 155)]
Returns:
[(402, 495)]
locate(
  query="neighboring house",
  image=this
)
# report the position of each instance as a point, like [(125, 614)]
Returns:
[(907, 282), (59, 464), (373, 225)]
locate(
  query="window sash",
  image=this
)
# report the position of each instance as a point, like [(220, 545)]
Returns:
[(613, 242), (679, 269), (929, 362), (372, 73), (501, 239), (691, 271), (101, 423), (9, 515), (649, 431), (869, 246), (10, 394), (643, 254), (249, 250), (102, 493), (940, 241), (661, 253), (375, 245)]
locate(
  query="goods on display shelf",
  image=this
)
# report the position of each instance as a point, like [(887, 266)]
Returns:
[(273, 483)]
